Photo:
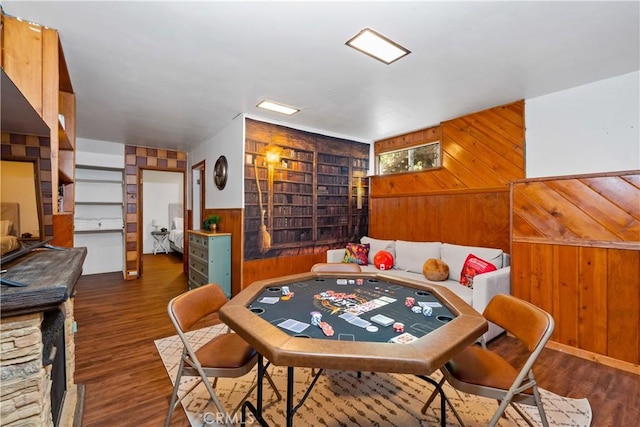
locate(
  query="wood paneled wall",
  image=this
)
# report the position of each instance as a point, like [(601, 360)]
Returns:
[(478, 218), (466, 200), (576, 254), (598, 210), (479, 151), (274, 267)]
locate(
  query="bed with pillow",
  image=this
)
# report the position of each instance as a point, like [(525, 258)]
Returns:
[(176, 228), (9, 227)]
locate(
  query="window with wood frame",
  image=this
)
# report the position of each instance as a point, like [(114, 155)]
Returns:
[(413, 159)]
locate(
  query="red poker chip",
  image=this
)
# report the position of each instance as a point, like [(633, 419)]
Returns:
[(398, 327)]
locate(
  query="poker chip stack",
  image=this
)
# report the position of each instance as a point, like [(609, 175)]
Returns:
[(316, 318)]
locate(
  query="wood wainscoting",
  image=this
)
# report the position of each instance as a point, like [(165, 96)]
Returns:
[(268, 268), (483, 150), (466, 200), (576, 254), (474, 218)]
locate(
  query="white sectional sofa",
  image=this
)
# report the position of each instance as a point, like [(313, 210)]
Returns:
[(411, 256)]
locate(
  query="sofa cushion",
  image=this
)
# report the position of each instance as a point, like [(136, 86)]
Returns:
[(376, 245), (356, 253), (461, 291), (411, 256), (455, 256), (472, 267), (435, 269), (453, 285)]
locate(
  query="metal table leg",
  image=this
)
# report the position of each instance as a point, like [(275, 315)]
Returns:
[(248, 406), (443, 399)]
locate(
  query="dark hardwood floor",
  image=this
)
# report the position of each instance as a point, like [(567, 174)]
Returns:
[(127, 385), (116, 359)]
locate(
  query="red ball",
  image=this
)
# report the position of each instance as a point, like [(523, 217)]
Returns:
[(383, 260)]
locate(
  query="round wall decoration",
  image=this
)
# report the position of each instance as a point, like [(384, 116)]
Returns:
[(220, 172)]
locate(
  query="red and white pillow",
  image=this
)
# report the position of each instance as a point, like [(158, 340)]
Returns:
[(472, 267)]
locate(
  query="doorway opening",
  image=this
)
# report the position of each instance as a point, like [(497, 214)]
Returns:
[(161, 221)]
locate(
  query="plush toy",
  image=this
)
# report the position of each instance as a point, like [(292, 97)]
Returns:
[(383, 260), (436, 270)]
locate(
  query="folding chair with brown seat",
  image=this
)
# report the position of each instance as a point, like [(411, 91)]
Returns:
[(479, 371), (225, 356), (336, 267)]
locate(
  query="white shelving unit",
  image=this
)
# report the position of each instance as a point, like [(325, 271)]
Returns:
[(99, 217)]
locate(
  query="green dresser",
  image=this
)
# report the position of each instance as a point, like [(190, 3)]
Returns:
[(210, 259)]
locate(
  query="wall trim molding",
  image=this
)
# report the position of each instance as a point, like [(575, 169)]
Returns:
[(632, 246), (594, 357), (442, 192)]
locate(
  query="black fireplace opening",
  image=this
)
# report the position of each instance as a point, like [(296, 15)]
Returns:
[(53, 354)]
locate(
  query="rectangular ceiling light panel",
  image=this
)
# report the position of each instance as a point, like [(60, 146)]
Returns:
[(278, 108), (377, 46)]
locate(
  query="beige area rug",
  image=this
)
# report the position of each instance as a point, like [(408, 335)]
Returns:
[(342, 399)]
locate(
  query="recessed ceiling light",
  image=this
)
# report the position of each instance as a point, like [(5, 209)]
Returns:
[(278, 108), (377, 46)]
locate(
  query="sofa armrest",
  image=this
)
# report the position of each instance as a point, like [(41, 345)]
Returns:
[(485, 287), (335, 255)]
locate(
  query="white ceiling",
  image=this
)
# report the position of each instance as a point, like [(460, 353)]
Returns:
[(171, 74)]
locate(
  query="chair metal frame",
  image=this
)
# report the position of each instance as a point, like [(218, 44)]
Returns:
[(534, 334), (208, 299)]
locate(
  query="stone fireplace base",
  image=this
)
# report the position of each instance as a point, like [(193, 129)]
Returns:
[(37, 347), (25, 396), (26, 384)]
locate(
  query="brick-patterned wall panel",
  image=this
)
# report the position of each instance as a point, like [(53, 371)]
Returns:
[(34, 148), (480, 150), (138, 158), (576, 254)]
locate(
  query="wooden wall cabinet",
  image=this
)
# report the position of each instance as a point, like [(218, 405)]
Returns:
[(32, 57)]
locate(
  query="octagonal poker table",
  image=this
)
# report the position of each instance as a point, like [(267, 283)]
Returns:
[(276, 316)]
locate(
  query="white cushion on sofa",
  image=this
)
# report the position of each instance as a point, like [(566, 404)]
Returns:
[(376, 245), (411, 256), (462, 291), (455, 255)]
